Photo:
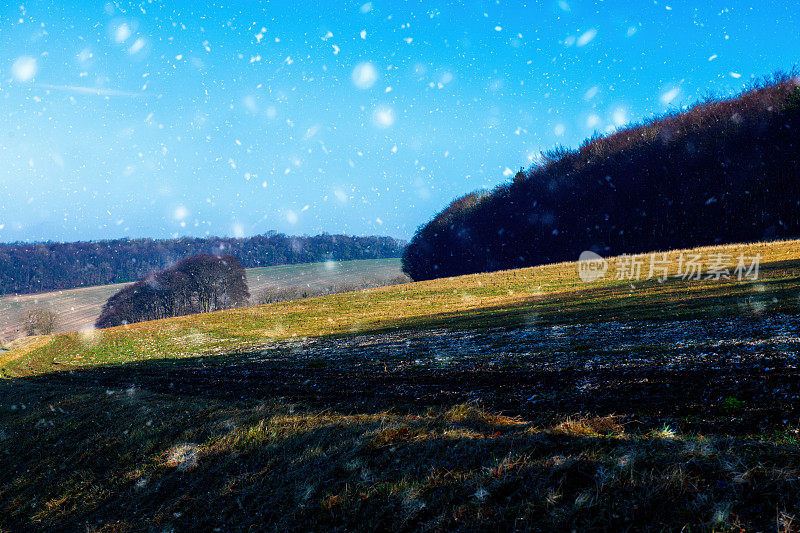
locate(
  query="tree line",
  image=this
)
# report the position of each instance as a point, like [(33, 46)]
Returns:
[(196, 284), (724, 170), (47, 266)]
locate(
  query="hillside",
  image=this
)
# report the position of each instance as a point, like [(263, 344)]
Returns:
[(484, 401), (78, 309), (724, 170), (545, 294)]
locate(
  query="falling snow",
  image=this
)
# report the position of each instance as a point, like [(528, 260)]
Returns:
[(168, 119)]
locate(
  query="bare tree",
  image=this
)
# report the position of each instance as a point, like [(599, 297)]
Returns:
[(39, 322)]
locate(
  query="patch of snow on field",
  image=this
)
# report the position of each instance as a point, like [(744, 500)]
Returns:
[(183, 456)]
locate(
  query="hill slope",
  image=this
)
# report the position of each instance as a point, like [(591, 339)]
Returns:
[(548, 294), (722, 171), (519, 399)]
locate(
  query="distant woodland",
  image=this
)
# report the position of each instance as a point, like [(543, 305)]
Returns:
[(40, 267)]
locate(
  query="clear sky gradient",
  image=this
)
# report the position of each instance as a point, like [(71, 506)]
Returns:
[(174, 118)]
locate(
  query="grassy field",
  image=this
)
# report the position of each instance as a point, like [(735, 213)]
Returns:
[(524, 399), (78, 309)]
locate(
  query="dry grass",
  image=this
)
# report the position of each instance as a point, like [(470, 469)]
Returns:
[(591, 427), (121, 460)]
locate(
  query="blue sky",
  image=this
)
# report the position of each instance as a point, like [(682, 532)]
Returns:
[(183, 118)]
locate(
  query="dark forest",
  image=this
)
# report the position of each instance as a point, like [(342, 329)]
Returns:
[(722, 171)]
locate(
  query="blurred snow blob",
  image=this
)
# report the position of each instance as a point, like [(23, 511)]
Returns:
[(340, 195), (137, 46), (620, 117), (383, 117), (364, 75), (24, 68), (122, 33), (90, 337), (670, 95), (587, 37)]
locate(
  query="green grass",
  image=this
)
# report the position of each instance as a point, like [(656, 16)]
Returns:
[(231, 421)]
